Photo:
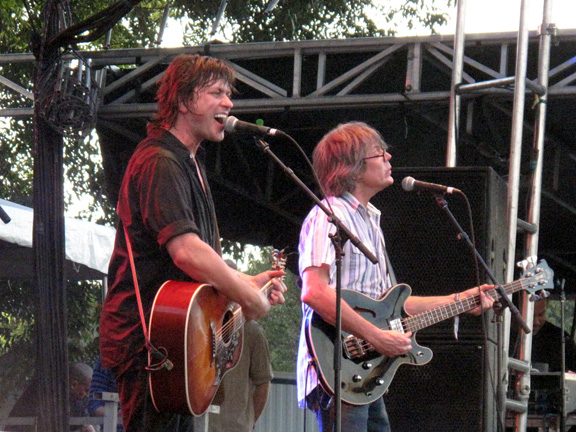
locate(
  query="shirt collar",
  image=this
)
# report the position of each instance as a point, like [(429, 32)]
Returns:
[(356, 205), (175, 145)]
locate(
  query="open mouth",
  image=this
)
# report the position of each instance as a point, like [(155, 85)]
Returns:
[(220, 118)]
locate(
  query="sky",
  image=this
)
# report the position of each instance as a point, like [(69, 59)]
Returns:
[(487, 16), (482, 16)]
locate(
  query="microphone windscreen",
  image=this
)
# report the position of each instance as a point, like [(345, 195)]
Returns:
[(408, 183), (229, 124)]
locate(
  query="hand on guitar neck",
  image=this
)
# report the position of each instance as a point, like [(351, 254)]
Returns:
[(271, 290), (486, 300), (483, 298)]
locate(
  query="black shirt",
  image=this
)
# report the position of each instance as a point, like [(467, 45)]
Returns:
[(161, 197)]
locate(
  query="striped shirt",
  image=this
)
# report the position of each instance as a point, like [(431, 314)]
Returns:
[(358, 273)]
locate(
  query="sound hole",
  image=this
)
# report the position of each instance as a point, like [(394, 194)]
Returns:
[(227, 327)]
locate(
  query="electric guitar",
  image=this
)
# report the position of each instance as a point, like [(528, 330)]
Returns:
[(200, 333), (365, 373)]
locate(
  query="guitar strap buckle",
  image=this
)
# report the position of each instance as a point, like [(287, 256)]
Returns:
[(158, 359)]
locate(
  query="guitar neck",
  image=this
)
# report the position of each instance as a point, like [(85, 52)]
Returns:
[(239, 319), (434, 316)]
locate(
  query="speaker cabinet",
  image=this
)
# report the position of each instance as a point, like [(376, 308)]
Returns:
[(447, 394), (455, 391)]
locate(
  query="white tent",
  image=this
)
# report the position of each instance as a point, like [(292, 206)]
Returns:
[(88, 246)]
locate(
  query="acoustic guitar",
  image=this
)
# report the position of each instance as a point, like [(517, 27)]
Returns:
[(200, 331)]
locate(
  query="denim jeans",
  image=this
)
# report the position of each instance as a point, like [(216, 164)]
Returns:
[(354, 418)]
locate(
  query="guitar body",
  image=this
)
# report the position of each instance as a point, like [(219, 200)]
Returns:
[(364, 376), (189, 321)]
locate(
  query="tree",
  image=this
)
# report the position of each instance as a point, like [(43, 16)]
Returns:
[(282, 324), (308, 19), (21, 24)]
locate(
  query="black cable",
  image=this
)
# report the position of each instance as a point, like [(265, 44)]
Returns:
[(97, 25)]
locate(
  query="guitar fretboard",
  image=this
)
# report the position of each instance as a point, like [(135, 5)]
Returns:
[(434, 316)]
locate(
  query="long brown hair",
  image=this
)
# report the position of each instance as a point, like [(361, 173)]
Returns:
[(339, 156), (187, 74)]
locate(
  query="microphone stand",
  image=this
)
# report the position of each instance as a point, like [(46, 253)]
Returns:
[(441, 201), (342, 235), (563, 412)]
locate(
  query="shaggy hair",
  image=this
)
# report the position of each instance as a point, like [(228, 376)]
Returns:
[(339, 157), (184, 77)]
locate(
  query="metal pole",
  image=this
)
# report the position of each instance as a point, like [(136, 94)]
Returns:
[(523, 383), (458, 61), (546, 31)]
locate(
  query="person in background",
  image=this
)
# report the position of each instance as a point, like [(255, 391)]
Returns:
[(547, 342), (102, 381), (166, 213), (28, 405), (545, 394), (244, 390), (353, 164)]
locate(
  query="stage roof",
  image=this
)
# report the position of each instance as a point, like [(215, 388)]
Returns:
[(401, 86)]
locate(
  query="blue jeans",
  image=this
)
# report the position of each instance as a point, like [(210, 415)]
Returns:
[(353, 418)]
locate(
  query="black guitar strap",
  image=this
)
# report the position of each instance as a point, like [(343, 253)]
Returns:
[(390, 270)]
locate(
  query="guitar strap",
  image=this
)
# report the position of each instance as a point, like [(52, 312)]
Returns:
[(153, 352), (390, 269)]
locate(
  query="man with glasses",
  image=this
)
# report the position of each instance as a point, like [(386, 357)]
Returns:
[(353, 165)]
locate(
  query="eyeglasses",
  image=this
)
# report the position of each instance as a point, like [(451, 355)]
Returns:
[(383, 155)]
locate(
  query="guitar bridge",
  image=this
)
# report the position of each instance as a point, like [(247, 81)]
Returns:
[(353, 347), (213, 344)]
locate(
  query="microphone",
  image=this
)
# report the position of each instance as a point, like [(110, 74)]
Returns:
[(233, 125), (409, 184)]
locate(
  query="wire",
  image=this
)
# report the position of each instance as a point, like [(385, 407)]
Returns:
[(96, 26)]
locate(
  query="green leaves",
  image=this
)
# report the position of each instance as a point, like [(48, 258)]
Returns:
[(282, 324)]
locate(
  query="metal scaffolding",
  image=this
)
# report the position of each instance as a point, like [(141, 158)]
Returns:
[(288, 80), (518, 405)]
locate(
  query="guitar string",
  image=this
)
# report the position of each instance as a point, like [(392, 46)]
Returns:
[(471, 302), (224, 333), (231, 326)]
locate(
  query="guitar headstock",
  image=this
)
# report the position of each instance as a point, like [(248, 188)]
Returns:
[(536, 276), (279, 259)]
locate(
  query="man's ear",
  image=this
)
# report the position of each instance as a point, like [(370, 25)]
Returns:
[(183, 107)]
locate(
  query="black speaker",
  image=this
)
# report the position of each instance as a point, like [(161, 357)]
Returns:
[(445, 395), (426, 249), (455, 391)]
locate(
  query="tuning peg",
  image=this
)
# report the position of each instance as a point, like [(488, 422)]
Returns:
[(527, 263), (544, 294)]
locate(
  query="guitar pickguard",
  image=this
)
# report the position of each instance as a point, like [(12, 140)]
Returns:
[(223, 349)]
